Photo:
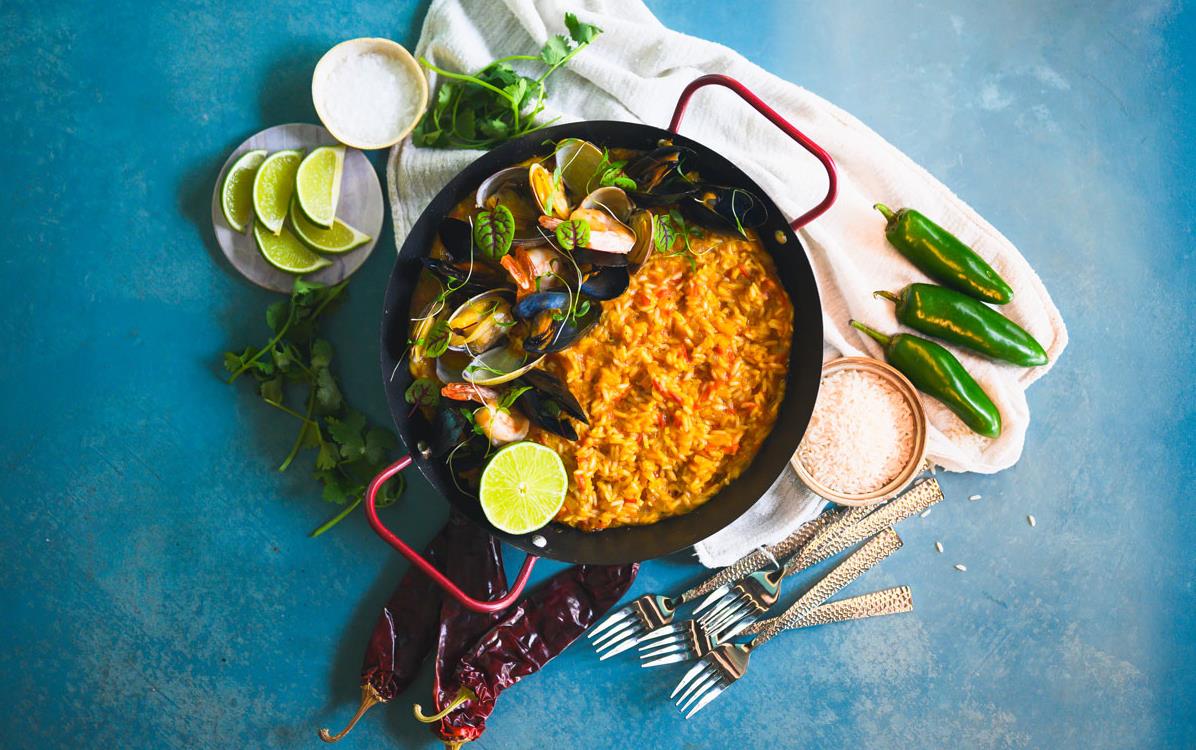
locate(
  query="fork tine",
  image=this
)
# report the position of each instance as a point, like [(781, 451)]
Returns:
[(712, 597), (725, 601), (626, 644), (709, 679), (622, 643), (692, 673), (727, 616), (662, 650), (711, 694), (614, 635), (663, 660), (733, 629), (662, 631), (619, 616)]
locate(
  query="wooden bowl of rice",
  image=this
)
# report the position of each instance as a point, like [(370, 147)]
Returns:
[(867, 438)]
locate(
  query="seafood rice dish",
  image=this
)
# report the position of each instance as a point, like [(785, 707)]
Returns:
[(611, 305)]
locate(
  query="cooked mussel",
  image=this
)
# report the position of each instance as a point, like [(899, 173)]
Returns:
[(548, 403), (480, 322), (457, 237), (555, 329), (725, 207), (549, 194), (471, 278), (651, 169), (644, 226), (606, 283), (598, 258)]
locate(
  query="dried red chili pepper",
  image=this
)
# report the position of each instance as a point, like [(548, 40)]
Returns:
[(478, 569), (529, 635), (402, 636)]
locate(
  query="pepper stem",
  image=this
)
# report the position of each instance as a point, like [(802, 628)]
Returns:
[(887, 295), (885, 211), (463, 695), (370, 697), (882, 339)]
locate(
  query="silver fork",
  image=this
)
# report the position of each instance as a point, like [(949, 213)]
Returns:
[(625, 627), (696, 644), (737, 609), (707, 679)]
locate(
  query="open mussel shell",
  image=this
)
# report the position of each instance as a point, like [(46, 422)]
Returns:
[(606, 283), (597, 258), (651, 169), (457, 237), (552, 332), (644, 227), (419, 363), (611, 199), (549, 195), (726, 207), (511, 188), (480, 322), (549, 404), (579, 161), (500, 365), (549, 386), (471, 278), (532, 305)]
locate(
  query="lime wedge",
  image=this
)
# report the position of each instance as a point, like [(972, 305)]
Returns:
[(273, 186), (341, 238), (318, 184), (285, 252), (236, 194), (523, 487)]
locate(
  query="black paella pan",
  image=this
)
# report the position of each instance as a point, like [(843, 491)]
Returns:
[(626, 543)]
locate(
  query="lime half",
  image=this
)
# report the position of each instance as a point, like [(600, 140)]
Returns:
[(341, 238), (318, 184), (273, 186), (236, 194), (523, 487), (286, 252)]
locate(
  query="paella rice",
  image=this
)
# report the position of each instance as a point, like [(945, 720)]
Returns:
[(681, 378)]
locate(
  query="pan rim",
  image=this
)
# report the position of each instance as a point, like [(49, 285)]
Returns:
[(625, 544)]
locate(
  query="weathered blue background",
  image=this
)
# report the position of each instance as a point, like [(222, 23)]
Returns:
[(158, 588)]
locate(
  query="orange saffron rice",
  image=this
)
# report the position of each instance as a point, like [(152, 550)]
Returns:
[(681, 379)]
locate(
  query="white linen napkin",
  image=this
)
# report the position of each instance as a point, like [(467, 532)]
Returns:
[(635, 71)]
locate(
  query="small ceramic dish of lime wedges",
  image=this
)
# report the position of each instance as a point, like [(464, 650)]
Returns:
[(291, 201)]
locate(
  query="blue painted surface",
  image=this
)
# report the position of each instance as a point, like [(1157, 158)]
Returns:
[(157, 588)]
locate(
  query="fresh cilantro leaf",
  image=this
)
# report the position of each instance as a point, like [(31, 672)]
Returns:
[(347, 433), (276, 315), (328, 393), (378, 443), (555, 50), (321, 353), (326, 458), (582, 33), (271, 390)]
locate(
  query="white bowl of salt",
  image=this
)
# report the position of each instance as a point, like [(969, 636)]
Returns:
[(369, 92)]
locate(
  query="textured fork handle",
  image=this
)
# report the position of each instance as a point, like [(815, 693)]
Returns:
[(921, 497), (758, 559), (884, 602), (876, 549)]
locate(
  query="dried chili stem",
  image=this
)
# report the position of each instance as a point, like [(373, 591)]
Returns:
[(463, 695), (369, 698)]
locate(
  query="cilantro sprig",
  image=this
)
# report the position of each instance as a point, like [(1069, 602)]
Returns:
[(497, 103), (349, 451)]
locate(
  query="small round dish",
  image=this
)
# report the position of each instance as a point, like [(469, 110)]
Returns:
[(360, 206), (917, 455), (331, 78)]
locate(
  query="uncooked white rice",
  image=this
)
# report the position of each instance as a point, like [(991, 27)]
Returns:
[(861, 434)]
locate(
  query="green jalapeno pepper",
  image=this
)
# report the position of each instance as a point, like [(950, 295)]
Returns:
[(937, 373), (951, 316), (941, 256)]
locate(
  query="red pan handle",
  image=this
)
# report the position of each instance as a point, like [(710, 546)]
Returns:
[(776, 119), (371, 513)]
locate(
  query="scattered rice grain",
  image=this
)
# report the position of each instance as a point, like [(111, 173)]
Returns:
[(1032, 520), (974, 498), (961, 568), (939, 547), (925, 513)]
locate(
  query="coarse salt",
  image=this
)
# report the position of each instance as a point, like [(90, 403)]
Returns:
[(861, 434), (370, 98)]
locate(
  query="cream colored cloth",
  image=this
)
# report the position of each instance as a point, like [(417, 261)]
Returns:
[(635, 71)]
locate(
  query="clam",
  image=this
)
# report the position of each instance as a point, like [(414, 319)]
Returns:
[(644, 226), (607, 233), (549, 194), (611, 199), (512, 188), (481, 321), (450, 365), (579, 161), (419, 363), (499, 365)]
